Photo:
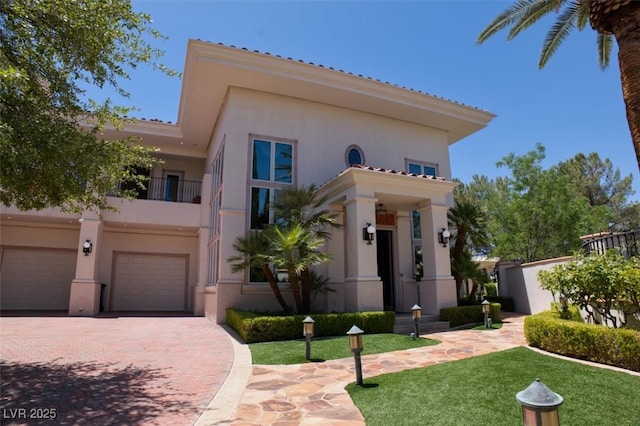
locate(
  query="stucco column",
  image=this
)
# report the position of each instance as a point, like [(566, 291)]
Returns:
[(199, 291), (336, 268), (437, 289), (84, 298), (363, 287)]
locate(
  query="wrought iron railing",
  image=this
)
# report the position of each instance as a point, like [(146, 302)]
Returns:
[(172, 190), (627, 243)]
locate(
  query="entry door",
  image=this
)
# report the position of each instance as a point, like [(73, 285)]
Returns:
[(385, 268), (172, 186)]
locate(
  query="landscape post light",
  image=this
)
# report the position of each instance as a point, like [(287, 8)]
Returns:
[(486, 308), (355, 342), (539, 405), (307, 330), (416, 311)]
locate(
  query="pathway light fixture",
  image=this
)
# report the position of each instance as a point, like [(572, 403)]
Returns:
[(355, 342), (307, 330), (539, 405)]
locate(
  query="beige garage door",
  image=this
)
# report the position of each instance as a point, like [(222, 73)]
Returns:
[(145, 282), (36, 279)]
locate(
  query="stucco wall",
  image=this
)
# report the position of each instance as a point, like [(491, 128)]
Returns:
[(520, 282)]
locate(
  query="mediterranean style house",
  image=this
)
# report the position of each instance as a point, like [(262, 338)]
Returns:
[(248, 125)]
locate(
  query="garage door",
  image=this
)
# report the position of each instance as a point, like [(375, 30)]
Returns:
[(145, 282), (36, 279)]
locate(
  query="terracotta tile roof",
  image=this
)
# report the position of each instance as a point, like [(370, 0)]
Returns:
[(346, 72), (395, 172), (386, 171)]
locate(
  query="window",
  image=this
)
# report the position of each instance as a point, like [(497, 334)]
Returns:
[(419, 168), (271, 170), (214, 226), (422, 168), (354, 155)]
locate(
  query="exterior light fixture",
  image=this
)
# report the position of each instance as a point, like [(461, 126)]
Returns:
[(539, 405), (355, 342), (368, 233), (307, 331), (381, 209), (416, 311), (486, 308), (443, 237), (87, 247)]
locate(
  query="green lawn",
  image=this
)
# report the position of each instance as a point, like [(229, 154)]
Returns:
[(322, 349), (481, 391)]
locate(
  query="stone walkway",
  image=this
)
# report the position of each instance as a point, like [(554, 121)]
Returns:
[(314, 393)]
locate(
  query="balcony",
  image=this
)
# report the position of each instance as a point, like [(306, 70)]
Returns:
[(171, 189)]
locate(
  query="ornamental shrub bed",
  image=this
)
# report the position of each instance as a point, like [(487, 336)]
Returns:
[(612, 346), (462, 315), (260, 327)]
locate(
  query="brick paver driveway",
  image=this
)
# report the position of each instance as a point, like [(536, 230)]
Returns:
[(110, 370)]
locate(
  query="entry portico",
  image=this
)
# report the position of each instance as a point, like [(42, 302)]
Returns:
[(374, 279)]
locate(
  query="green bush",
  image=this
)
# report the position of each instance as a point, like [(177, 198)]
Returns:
[(506, 303), (255, 327), (490, 289), (597, 343), (462, 315)]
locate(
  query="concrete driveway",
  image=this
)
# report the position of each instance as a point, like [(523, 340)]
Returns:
[(110, 370)]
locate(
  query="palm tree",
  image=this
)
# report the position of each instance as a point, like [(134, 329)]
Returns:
[(301, 206), (295, 249), (292, 243), (619, 19), (468, 220), (253, 250)]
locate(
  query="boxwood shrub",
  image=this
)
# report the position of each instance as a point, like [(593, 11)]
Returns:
[(462, 315), (612, 346), (257, 327)]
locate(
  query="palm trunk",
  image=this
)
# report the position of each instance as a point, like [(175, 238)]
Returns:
[(273, 283), (627, 33), (305, 289), (295, 289)]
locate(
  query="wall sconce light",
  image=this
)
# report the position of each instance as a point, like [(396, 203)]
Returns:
[(87, 247), (368, 232), (443, 237)]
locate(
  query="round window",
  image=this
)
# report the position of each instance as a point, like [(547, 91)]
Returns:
[(354, 156)]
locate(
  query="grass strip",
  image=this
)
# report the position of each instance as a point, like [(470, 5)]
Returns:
[(323, 349), (481, 391)]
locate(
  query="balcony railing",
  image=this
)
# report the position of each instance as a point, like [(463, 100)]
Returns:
[(168, 189), (627, 243)]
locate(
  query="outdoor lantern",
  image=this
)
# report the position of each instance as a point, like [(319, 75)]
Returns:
[(443, 237), (368, 232), (355, 342), (486, 308), (87, 247), (307, 330), (539, 405), (416, 311)]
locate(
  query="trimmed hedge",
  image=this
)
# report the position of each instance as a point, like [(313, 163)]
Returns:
[(506, 303), (462, 315), (619, 347), (255, 327)]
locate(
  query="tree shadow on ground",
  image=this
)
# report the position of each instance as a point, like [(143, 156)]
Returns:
[(88, 393)]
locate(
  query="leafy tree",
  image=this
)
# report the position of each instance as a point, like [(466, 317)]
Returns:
[(598, 283), (601, 184), (50, 53), (619, 19), (536, 214)]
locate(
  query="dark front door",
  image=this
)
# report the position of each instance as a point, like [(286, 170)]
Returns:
[(385, 268)]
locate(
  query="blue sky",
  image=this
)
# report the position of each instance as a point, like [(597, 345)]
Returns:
[(570, 106)]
